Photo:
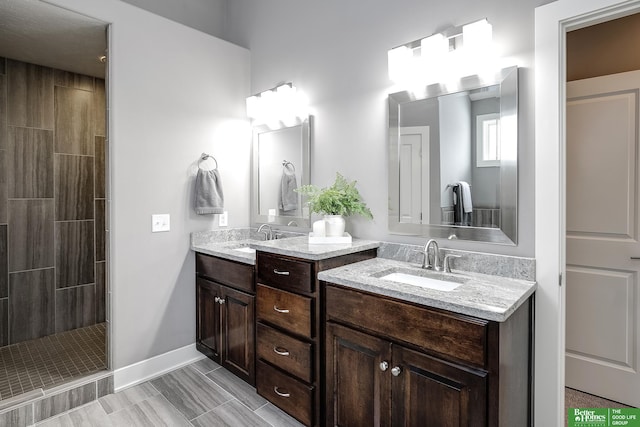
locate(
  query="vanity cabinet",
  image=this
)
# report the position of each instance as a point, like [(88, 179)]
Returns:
[(289, 331), (393, 363), (225, 314)]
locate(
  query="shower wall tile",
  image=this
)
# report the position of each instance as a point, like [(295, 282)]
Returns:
[(3, 112), (100, 165), (75, 307), (75, 261), (74, 121), (4, 260), (4, 188), (101, 291), (73, 80), (100, 108), (3, 65), (74, 187), (100, 230), (30, 234), (31, 304), (4, 322), (30, 95), (31, 162)]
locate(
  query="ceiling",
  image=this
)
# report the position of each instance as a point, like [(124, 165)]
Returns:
[(40, 33)]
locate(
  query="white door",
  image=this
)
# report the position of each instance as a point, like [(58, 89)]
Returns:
[(603, 302), (414, 174)]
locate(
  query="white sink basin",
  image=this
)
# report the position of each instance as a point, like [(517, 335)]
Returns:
[(246, 249), (422, 281)]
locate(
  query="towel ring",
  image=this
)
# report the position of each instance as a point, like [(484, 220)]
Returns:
[(206, 156), (286, 163)]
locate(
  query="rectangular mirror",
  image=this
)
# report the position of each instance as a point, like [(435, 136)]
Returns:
[(453, 169), (280, 164)]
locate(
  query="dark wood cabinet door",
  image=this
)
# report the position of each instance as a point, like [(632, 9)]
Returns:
[(238, 332), (208, 337), (429, 392), (358, 389)]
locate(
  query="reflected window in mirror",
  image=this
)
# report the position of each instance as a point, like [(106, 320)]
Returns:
[(453, 160), (280, 164)]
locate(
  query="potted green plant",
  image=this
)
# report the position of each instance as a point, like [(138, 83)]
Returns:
[(335, 202)]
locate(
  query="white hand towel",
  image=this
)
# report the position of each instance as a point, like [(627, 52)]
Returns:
[(209, 196), (466, 197)]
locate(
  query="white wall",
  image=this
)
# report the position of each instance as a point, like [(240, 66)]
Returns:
[(208, 16), (336, 52), (175, 93)]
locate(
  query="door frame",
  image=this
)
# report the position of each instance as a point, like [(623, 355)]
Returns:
[(552, 22)]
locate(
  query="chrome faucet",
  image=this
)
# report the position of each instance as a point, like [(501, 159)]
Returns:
[(268, 233), (427, 263)]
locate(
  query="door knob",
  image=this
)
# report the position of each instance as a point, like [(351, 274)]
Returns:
[(216, 299), (396, 370), (384, 365), (221, 301)]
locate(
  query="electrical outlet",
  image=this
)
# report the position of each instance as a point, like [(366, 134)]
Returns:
[(160, 222), (223, 219)]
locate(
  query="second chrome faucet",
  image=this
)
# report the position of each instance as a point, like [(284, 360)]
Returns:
[(433, 263)]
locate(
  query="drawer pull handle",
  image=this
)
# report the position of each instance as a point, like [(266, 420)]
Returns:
[(281, 351), (279, 393), (280, 310), (281, 273)]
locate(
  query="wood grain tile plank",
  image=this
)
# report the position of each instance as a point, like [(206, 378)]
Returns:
[(4, 322), (31, 304), (4, 186), (101, 291), (30, 95), (153, 412), (74, 187), (30, 159), (73, 121), (237, 388), (4, 262), (3, 112), (190, 392), (128, 397), (64, 401), (75, 307), (89, 415), (100, 108), (100, 167), (230, 414), (73, 80), (100, 230), (30, 232), (277, 417), (75, 261)]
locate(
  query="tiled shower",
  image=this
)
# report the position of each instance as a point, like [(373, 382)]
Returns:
[(52, 202)]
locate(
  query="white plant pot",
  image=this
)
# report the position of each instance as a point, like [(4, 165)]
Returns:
[(335, 225)]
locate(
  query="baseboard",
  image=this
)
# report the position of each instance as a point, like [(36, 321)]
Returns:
[(153, 367)]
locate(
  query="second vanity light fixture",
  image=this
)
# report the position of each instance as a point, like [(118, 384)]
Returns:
[(280, 106), (444, 56)]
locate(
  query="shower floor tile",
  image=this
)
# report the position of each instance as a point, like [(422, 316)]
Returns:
[(49, 361)]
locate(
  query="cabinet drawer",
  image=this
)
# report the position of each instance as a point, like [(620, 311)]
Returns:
[(285, 352), (289, 311), (234, 274), (284, 273), (292, 396), (455, 336)]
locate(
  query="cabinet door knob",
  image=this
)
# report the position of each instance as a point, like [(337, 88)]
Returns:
[(221, 301), (216, 299), (384, 365), (281, 351), (281, 273), (280, 310), (396, 370), (279, 393)]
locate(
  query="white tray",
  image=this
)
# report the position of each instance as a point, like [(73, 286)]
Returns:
[(316, 240)]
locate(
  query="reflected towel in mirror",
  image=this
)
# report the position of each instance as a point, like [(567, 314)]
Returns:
[(288, 197)]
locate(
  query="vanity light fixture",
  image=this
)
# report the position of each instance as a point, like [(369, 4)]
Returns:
[(453, 54), (280, 106)]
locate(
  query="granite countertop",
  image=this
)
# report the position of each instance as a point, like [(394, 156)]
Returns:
[(299, 247), (484, 296), (228, 250)]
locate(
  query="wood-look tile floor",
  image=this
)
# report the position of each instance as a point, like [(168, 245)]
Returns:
[(49, 361), (201, 394)]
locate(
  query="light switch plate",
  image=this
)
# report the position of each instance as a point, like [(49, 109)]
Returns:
[(160, 222), (223, 219)]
